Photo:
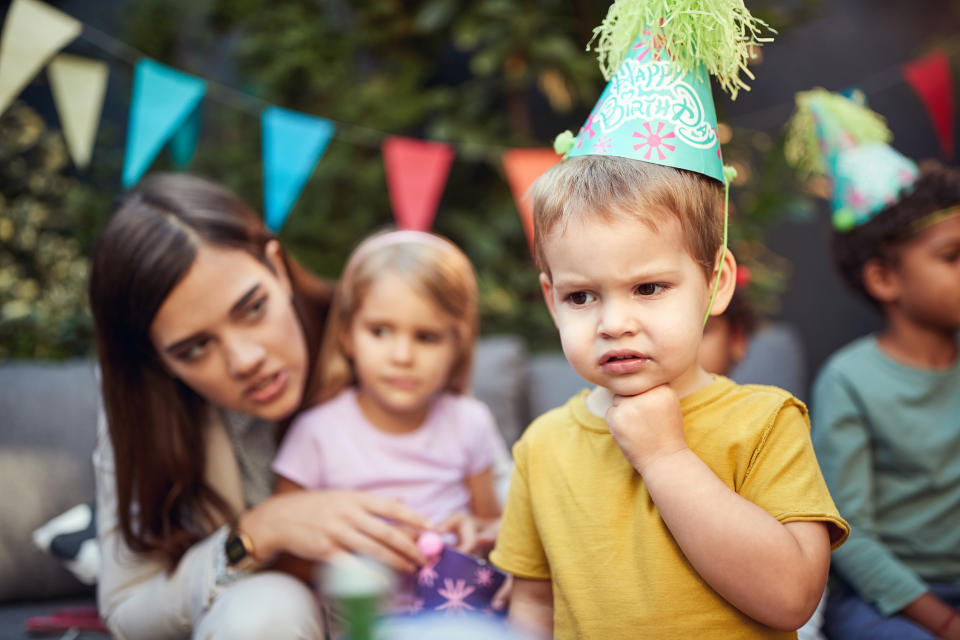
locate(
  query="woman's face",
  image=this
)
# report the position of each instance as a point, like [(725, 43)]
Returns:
[(228, 330)]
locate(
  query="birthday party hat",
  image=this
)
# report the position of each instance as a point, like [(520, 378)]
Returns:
[(832, 135), (657, 106)]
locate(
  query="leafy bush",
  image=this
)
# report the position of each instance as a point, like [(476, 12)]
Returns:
[(46, 224)]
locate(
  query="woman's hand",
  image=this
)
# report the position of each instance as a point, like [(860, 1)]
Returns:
[(473, 532), (315, 525)]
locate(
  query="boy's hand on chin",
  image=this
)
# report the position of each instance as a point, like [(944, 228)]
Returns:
[(647, 426)]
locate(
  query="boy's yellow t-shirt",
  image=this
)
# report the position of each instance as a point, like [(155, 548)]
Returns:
[(578, 513)]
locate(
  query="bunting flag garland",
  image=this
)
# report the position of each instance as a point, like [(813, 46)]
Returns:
[(932, 81), (163, 99), (165, 110), (293, 143), (33, 33), (78, 86), (523, 167), (183, 144), (416, 175)]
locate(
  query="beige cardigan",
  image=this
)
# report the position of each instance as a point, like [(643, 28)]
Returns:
[(137, 597)]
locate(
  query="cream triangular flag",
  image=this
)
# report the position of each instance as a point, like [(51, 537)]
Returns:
[(33, 33), (78, 87)]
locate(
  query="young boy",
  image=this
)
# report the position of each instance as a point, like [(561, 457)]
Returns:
[(886, 421), (665, 502)]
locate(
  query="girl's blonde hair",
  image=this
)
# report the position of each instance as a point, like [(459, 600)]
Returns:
[(431, 265)]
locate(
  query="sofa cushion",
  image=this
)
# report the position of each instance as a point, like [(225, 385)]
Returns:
[(49, 427), (552, 382), (499, 380)]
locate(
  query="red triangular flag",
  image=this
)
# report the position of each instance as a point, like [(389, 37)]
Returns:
[(416, 174), (523, 167), (932, 81)]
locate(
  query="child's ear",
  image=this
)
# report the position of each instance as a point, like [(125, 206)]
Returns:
[(880, 281), (728, 283), (274, 254), (547, 287)]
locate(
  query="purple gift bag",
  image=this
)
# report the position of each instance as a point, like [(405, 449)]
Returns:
[(457, 583)]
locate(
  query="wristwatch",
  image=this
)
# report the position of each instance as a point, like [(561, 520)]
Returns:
[(239, 551)]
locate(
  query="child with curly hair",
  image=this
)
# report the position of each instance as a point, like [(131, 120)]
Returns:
[(886, 408)]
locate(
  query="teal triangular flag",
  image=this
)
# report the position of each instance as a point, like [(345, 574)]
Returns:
[(292, 144), (163, 98), (183, 144)]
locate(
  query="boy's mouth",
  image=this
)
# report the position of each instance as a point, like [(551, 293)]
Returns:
[(622, 361)]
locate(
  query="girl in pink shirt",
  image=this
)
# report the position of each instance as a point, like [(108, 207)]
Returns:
[(394, 370)]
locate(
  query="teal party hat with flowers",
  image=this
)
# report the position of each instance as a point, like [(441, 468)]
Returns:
[(657, 56), (840, 138)]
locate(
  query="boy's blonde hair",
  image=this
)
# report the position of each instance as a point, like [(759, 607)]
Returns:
[(609, 186), (431, 265)]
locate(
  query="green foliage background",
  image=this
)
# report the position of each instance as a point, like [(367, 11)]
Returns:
[(483, 75)]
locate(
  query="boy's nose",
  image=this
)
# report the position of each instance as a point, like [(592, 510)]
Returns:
[(617, 319), (244, 357)]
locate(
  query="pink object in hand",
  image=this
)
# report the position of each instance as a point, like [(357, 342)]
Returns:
[(430, 544)]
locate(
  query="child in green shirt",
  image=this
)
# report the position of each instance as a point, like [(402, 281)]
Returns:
[(886, 408)]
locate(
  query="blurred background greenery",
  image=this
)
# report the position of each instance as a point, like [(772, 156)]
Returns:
[(482, 75)]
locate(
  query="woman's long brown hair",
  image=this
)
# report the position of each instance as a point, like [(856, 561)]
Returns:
[(155, 421)]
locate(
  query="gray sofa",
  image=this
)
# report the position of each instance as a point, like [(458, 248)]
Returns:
[(48, 415)]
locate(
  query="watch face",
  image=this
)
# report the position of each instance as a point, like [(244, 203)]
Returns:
[(235, 550)]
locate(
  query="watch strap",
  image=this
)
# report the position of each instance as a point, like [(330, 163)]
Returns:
[(239, 550)]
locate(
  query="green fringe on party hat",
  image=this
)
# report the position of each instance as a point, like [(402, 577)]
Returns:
[(718, 34), (842, 139), (657, 106), (839, 117)]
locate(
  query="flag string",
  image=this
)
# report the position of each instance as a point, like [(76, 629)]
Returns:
[(753, 122)]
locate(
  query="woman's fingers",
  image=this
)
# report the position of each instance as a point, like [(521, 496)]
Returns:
[(358, 541), (316, 524), (465, 527), (389, 535), (395, 510)]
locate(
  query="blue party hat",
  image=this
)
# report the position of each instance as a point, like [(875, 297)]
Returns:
[(842, 139)]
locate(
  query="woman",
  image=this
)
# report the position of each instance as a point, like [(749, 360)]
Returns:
[(206, 335)]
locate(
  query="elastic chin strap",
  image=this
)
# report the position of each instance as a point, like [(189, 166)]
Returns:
[(729, 173), (932, 219)]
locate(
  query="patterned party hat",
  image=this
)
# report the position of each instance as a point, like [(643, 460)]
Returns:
[(657, 106), (842, 139)]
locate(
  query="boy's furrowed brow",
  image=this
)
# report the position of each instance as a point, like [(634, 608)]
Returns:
[(574, 281), (570, 281)]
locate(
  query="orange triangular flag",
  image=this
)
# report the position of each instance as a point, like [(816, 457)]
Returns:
[(523, 167)]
